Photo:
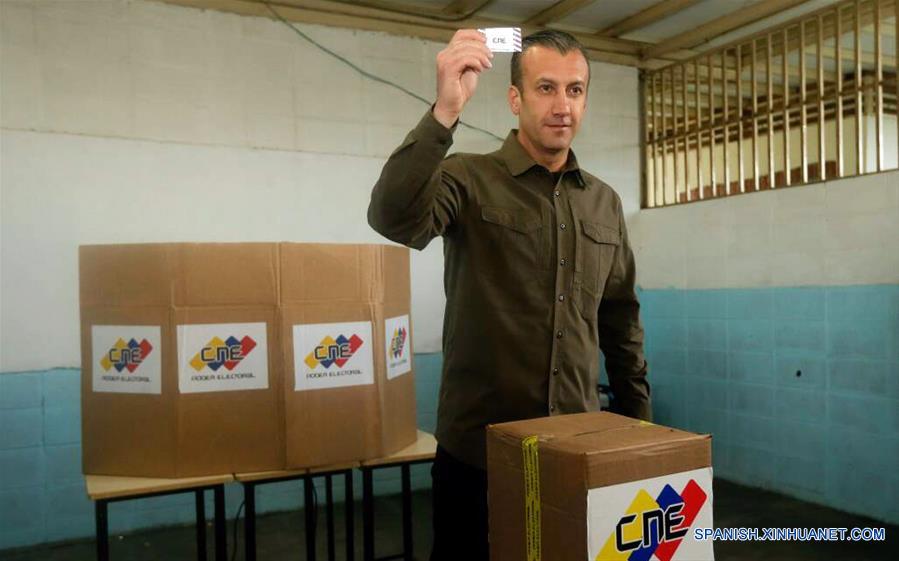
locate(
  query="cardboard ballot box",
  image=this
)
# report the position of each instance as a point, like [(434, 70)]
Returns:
[(187, 356), (597, 486)]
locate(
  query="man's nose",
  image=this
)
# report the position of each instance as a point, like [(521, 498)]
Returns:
[(561, 104)]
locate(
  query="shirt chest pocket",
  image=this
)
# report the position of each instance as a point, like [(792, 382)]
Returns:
[(595, 253), (516, 238)]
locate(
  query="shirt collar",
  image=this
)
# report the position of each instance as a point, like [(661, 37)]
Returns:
[(518, 161)]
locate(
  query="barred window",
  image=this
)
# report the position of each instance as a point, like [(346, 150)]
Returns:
[(810, 100)]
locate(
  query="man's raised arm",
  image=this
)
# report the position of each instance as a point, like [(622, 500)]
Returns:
[(418, 195)]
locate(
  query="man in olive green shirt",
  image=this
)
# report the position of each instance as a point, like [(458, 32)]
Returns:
[(539, 274)]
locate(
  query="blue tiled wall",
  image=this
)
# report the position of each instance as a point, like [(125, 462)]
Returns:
[(42, 494), (798, 386)]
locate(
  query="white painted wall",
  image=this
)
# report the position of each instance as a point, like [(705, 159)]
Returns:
[(135, 121), (843, 232)]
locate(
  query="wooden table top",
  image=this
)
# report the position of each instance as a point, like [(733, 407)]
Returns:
[(116, 486), (424, 448), (333, 467), (273, 474), (279, 474)]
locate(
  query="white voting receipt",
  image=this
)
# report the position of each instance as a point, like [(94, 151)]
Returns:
[(503, 39)]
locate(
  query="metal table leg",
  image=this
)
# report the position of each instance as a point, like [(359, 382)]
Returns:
[(221, 542), (101, 515), (349, 515), (329, 499), (249, 521), (200, 503), (368, 516), (309, 508), (407, 513)]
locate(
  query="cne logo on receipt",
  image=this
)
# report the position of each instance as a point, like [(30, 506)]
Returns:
[(503, 39)]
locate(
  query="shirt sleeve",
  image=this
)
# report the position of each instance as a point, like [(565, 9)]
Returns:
[(621, 333), (419, 192)]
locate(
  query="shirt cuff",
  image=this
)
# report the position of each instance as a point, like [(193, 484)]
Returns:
[(430, 127)]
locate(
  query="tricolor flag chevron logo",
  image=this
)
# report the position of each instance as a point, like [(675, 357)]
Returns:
[(654, 527), (126, 356), (333, 351), (218, 353)]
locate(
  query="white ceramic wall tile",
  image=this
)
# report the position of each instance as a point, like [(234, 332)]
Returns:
[(863, 194), (878, 265), (799, 204), (170, 46), (798, 268), (808, 236), (17, 24), (157, 14), (706, 272), (749, 271), (271, 130), (331, 137), (20, 88), (381, 140), (662, 271), (862, 231)]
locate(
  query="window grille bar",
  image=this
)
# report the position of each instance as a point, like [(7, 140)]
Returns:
[(705, 122)]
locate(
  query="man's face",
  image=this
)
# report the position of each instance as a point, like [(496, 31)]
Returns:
[(553, 97)]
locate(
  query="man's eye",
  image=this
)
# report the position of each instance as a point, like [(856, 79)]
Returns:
[(545, 88), (577, 90)]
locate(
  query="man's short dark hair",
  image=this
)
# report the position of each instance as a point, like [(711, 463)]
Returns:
[(558, 40)]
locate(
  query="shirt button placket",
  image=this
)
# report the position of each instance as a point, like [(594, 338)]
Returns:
[(558, 203)]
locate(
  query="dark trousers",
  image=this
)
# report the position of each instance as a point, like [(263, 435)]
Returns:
[(460, 510)]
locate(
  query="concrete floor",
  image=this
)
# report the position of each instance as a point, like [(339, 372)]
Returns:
[(280, 536)]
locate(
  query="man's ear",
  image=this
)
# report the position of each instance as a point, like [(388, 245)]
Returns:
[(514, 97)]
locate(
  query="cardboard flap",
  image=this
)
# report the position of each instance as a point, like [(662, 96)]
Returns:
[(395, 276), (329, 272), (396, 394), (127, 275), (614, 440), (650, 460), (561, 427), (612, 448), (227, 274), (331, 424), (128, 433), (222, 430)]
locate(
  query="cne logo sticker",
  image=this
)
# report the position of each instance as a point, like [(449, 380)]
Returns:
[(654, 527), (397, 342), (126, 359), (398, 351), (333, 351), (332, 355), (126, 356), (222, 357), (650, 519), (228, 353)]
